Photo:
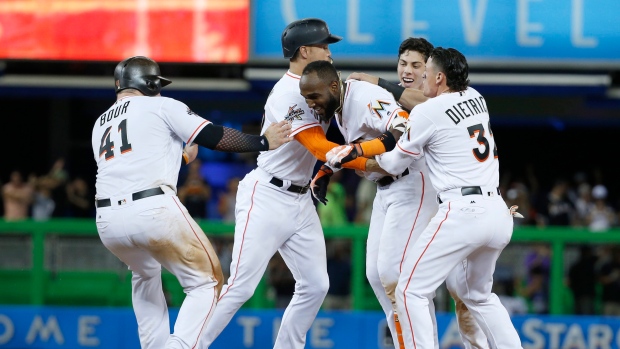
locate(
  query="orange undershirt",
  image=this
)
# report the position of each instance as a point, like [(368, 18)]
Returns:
[(315, 141)]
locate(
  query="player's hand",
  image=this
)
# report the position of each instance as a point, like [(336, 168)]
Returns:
[(513, 211), (319, 184), (190, 152), (278, 134), (343, 154), (363, 77)]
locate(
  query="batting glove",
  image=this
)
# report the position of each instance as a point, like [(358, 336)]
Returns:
[(319, 184), (343, 154)]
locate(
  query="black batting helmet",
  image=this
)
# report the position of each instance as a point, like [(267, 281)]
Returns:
[(140, 73), (307, 31)]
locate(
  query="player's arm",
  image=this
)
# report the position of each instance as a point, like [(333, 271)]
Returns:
[(227, 139), (384, 143), (395, 162), (317, 144), (192, 128), (420, 131), (407, 97)]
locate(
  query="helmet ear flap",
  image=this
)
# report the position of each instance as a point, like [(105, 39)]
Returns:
[(151, 85)]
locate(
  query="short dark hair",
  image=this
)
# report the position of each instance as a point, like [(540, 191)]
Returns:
[(324, 70), (452, 63), (420, 45)]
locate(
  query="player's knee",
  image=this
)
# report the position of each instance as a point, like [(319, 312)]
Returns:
[(400, 290), (207, 283), (318, 289), (404, 289), (388, 277), (473, 298), (323, 287), (146, 275), (373, 276), (242, 293)]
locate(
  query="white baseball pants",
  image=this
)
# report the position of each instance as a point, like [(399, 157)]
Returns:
[(469, 232), (400, 213), (270, 219), (155, 231)]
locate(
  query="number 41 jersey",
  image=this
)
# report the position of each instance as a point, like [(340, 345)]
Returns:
[(138, 144), (456, 127)]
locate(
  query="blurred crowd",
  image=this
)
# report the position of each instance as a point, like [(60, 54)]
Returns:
[(582, 201), (208, 190), (41, 197)]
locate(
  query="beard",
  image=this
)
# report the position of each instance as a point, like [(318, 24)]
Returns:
[(330, 108)]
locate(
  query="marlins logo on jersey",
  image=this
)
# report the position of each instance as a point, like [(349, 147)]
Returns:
[(377, 107), (294, 113), (408, 131)]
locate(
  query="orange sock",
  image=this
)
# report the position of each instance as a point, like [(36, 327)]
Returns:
[(399, 332)]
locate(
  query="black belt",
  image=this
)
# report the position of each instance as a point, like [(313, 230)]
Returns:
[(469, 191), (135, 196), (292, 188), (387, 180)]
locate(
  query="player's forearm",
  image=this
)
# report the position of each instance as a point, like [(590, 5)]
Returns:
[(394, 162), (385, 142), (314, 140), (412, 97), (317, 144), (358, 164), (230, 140), (407, 97), (373, 166)]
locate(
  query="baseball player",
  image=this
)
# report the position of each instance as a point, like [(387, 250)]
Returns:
[(412, 56), (137, 144), (404, 203), (473, 223), (274, 211)]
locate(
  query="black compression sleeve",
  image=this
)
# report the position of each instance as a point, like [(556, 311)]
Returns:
[(395, 90), (209, 136), (388, 140), (230, 140)]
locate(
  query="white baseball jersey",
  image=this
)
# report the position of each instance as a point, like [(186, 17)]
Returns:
[(472, 225), (402, 209), (132, 144), (137, 144), (260, 231), (292, 161), (369, 110), (464, 152)]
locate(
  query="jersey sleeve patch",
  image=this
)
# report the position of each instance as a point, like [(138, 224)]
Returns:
[(294, 113), (191, 112)]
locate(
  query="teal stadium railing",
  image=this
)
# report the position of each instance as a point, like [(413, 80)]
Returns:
[(36, 284)]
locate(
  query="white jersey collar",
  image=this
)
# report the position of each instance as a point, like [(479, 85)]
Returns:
[(292, 75)]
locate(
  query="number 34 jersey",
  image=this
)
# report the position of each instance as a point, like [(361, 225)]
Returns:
[(455, 132), (138, 143)]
